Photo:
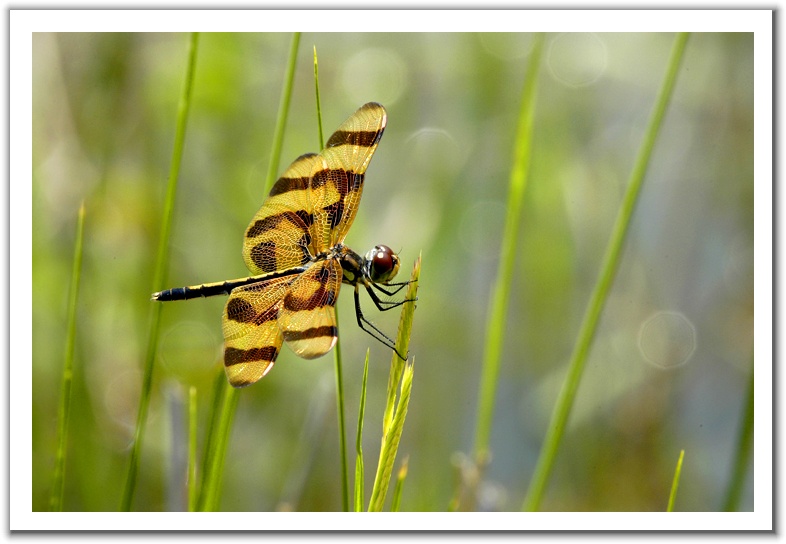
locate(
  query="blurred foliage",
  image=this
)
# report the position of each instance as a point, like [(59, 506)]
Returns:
[(670, 365)]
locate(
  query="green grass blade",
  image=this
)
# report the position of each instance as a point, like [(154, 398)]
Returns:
[(337, 361), (193, 488), (496, 322), (359, 475), (675, 482), (316, 93), (395, 503), (608, 268), (342, 431), (742, 458), (283, 113), (390, 442), (160, 275), (214, 462), (64, 411), (402, 345), (212, 438), (394, 415), (211, 434)]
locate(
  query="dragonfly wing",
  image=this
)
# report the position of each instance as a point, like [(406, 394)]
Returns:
[(307, 316), (252, 338)]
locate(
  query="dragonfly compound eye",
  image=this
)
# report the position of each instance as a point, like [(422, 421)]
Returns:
[(384, 264)]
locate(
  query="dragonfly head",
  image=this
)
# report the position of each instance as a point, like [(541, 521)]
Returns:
[(381, 264)]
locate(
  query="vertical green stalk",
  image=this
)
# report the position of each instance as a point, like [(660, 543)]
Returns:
[(742, 458), (64, 411), (283, 113), (495, 327), (316, 93), (359, 475), (193, 488), (401, 374), (342, 431), (390, 442), (228, 405), (395, 503), (212, 438), (214, 462), (397, 366), (611, 257), (675, 483), (162, 266)]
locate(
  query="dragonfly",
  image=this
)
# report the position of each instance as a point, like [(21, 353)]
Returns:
[(294, 248)]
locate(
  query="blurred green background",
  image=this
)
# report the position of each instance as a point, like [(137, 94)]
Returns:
[(668, 369)]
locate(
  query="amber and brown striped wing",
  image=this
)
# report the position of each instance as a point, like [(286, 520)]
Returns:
[(308, 211), (337, 179), (278, 236), (307, 316), (252, 337)]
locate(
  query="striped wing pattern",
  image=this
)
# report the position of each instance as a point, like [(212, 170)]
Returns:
[(278, 237), (307, 317), (337, 183), (252, 338), (308, 211)]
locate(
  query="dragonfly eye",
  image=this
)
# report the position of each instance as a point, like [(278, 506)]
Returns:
[(382, 264)]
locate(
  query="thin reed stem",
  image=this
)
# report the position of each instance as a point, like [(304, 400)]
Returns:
[(64, 411), (359, 469), (214, 463), (193, 488), (211, 439), (217, 453), (401, 374), (161, 270), (395, 502), (319, 104), (559, 418), (283, 113), (675, 483), (743, 454), (495, 327), (342, 430)]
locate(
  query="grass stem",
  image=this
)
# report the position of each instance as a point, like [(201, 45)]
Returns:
[(162, 266), (193, 489), (214, 460), (359, 471), (743, 454), (395, 503), (64, 411), (218, 446), (283, 113), (337, 360), (495, 327), (611, 258), (401, 374), (319, 105), (675, 482)]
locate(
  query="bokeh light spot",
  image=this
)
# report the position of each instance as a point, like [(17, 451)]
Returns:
[(577, 59), (435, 149), (667, 339), (507, 45), (121, 399)]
